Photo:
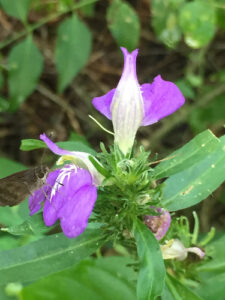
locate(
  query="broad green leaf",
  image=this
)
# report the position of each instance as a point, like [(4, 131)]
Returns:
[(197, 20), (16, 8), (124, 24), (72, 51), (193, 185), (152, 270), (165, 20), (180, 291), (32, 144), (33, 225), (189, 155), (47, 256), (25, 66), (105, 278), (7, 242)]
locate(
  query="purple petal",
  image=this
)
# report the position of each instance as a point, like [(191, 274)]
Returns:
[(159, 224), (75, 213), (69, 181), (40, 195), (161, 98), (53, 147), (103, 103)]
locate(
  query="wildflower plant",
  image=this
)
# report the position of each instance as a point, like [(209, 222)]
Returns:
[(119, 198)]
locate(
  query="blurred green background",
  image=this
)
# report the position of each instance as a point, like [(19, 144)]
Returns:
[(55, 56)]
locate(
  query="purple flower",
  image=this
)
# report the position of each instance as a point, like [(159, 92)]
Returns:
[(131, 105), (159, 224), (69, 193)]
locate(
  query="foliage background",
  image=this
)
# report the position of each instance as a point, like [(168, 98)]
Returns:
[(57, 55)]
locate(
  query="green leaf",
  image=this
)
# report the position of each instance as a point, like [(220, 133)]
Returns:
[(124, 24), (25, 67), (46, 256), (33, 225), (105, 278), (152, 270), (180, 291), (32, 144), (7, 242), (197, 20), (17, 9), (193, 185), (190, 154), (165, 20), (73, 47)]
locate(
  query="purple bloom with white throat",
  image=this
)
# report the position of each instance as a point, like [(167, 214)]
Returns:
[(69, 193), (131, 105)]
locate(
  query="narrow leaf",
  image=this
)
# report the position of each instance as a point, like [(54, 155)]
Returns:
[(73, 48), (124, 24), (191, 153), (46, 256), (25, 66), (152, 270), (193, 185)]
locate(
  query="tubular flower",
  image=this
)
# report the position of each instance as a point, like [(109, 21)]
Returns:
[(159, 224), (131, 105), (69, 193), (174, 249)]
